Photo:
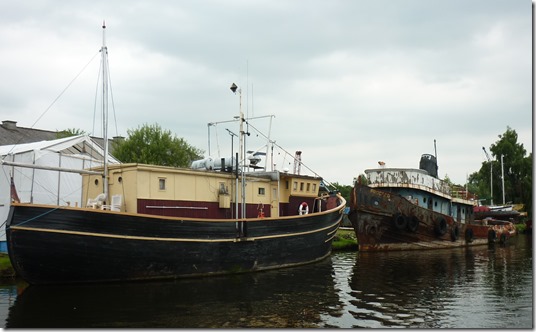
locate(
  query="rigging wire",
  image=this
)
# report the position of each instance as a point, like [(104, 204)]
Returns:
[(288, 153), (54, 101), (68, 85), (97, 88), (96, 98), (112, 96), (217, 141)]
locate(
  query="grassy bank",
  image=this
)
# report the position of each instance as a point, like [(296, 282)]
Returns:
[(345, 239), (6, 270)]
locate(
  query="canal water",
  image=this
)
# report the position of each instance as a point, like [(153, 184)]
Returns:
[(476, 287)]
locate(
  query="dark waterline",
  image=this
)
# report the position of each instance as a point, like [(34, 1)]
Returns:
[(478, 287)]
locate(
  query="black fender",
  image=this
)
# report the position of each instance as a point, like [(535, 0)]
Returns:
[(400, 221), (413, 224), (454, 232), (440, 226), (469, 235)]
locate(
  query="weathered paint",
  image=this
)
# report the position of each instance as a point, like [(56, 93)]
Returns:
[(406, 177), (384, 220)]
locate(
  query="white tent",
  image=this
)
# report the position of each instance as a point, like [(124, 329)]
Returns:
[(41, 181)]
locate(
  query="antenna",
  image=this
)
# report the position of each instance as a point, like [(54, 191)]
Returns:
[(104, 55), (490, 174)]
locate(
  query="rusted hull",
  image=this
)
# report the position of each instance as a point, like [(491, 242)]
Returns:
[(385, 221), (495, 231)]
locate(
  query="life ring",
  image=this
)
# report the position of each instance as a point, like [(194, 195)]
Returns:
[(492, 236), (260, 211), (441, 226), (303, 208), (454, 233), (400, 221), (413, 224), (469, 235)]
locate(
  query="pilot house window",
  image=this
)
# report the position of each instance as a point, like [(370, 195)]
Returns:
[(162, 184)]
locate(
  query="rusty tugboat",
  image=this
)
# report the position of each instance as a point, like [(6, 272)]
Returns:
[(412, 209)]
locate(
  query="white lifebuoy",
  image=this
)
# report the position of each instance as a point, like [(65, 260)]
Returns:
[(303, 209)]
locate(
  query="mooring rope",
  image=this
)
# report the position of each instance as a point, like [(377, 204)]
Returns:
[(39, 216)]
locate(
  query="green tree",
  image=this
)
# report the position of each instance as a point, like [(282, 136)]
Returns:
[(150, 144), (517, 172), (69, 132), (346, 190)]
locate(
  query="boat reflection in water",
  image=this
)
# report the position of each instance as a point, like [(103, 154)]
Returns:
[(454, 288), (264, 299), (474, 287)]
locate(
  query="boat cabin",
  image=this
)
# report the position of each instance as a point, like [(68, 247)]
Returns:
[(423, 188), (193, 193)]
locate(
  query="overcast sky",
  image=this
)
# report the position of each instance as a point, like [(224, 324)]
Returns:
[(349, 82)]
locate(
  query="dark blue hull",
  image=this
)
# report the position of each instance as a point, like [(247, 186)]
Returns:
[(50, 245)]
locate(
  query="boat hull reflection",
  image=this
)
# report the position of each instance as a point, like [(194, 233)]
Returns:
[(264, 299)]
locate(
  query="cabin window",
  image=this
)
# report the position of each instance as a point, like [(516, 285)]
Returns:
[(262, 191), (295, 186), (223, 189), (286, 185), (162, 184), (314, 187), (301, 186), (308, 187)]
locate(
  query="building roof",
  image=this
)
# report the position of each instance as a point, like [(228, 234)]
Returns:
[(11, 134)]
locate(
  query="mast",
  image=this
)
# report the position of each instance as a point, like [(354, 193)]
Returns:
[(241, 138), (490, 174), (242, 156), (104, 55), (502, 176)]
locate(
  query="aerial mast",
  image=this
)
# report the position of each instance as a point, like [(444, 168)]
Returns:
[(104, 56), (490, 174)]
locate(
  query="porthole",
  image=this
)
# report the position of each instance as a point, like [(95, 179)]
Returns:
[(96, 182)]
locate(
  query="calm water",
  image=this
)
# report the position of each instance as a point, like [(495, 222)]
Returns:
[(479, 287)]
